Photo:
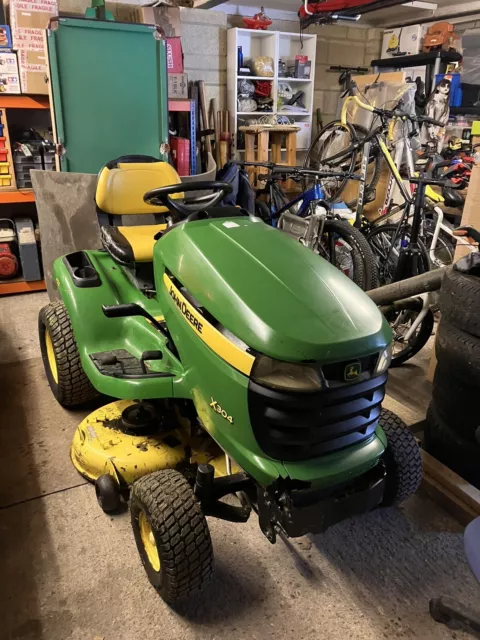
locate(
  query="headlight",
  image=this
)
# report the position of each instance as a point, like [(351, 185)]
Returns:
[(384, 360), (288, 376)]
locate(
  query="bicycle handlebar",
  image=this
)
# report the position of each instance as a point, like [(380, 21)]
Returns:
[(281, 170), (395, 113)]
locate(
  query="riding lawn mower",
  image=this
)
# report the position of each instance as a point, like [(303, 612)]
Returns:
[(235, 383)]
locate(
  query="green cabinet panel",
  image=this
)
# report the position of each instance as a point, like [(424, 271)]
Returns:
[(109, 89)]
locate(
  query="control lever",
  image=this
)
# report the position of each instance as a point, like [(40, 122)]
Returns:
[(132, 309)]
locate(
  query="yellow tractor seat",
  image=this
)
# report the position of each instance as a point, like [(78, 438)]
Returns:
[(121, 186), (131, 244)]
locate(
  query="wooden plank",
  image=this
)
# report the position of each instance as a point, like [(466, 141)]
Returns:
[(203, 109), (250, 156), (291, 145), (453, 484), (276, 147), (448, 501), (218, 132), (262, 152)]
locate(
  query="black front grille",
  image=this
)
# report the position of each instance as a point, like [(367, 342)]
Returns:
[(298, 426)]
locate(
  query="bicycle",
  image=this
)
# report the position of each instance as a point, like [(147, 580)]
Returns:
[(315, 223)]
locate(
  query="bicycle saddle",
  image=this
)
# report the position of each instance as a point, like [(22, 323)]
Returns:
[(452, 198)]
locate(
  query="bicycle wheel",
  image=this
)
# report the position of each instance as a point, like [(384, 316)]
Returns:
[(336, 139), (442, 256), (331, 140), (386, 252), (400, 322), (347, 249)]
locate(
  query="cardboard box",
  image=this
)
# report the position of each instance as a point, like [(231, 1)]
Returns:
[(405, 41), (9, 76), (28, 21), (33, 77), (168, 18), (174, 55), (178, 86)]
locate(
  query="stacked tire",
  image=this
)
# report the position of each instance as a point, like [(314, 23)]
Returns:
[(452, 433)]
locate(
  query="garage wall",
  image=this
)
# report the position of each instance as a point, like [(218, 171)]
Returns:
[(204, 43)]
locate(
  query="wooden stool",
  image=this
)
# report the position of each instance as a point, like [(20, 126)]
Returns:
[(264, 137)]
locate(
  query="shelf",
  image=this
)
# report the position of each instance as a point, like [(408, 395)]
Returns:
[(20, 286), (179, 105), (417, 60), (293, 113), (294, 79), (255, 113), (465, 111), (270, 78), (7, 197), (24, 102)]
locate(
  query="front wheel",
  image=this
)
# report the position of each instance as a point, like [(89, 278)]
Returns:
[(402, 457), (171, 533), (347, 249)]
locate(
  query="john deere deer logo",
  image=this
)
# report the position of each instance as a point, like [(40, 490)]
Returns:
[(352, 371)]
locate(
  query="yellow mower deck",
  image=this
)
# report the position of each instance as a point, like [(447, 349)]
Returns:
[(99, 448)]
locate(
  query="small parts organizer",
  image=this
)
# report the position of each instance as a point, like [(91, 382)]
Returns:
[(7, 177)]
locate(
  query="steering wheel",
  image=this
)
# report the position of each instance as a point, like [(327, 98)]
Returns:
[(180, 208)]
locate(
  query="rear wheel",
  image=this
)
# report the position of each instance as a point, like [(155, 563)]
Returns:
[(61, 358), (386, 242), (402, 458), (337, 139), (171, 533), (347, 249)]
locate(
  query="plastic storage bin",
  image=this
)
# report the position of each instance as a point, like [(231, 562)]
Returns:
[(23, 174), (19, 158), (5, 180), (23, 184), (4, 167)]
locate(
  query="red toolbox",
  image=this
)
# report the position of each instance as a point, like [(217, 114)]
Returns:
[(180, 148)]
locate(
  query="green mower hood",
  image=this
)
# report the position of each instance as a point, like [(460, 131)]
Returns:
[(272, 293)]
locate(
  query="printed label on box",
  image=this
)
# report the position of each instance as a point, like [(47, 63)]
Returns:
[(9, 83), (28, 21), (8, 63)]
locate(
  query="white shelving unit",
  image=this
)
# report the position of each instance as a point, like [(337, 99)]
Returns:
[(278, 45)]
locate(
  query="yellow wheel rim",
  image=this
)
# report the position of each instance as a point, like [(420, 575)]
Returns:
[(52, 363), (148, 541)]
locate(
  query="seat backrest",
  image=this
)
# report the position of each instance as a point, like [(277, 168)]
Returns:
[(122, 184)]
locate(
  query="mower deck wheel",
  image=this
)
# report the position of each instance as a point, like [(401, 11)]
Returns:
[(402, 458), (108, 493), (171, 533), (61, 359)]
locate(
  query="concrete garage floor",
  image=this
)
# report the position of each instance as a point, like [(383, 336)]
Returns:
[(69, 572)]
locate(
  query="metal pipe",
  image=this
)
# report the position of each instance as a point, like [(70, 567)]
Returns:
[(433, 19), (429, 281)]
